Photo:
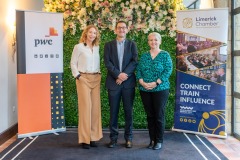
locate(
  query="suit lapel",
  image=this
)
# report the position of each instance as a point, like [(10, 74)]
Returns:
[(115, 52), (125, 55)]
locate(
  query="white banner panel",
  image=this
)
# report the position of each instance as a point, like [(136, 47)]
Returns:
[(44, 47), (208, 23)]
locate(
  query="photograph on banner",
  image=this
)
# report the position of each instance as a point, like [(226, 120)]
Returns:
[(215, 74), (188, 43), (200, 59)]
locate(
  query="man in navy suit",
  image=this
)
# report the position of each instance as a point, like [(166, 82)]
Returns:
[(120, 58)]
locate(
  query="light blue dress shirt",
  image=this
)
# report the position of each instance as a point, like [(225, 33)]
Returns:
[(120, 49)]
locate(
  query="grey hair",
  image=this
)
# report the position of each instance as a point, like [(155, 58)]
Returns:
[(157, 35)]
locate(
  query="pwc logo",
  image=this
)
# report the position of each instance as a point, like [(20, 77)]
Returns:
[(52, 32)]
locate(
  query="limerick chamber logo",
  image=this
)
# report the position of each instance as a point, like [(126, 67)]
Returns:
[(187, 23), (52, 32)]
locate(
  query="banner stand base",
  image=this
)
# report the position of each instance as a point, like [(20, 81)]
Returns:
[(199, 133), (41, 133)]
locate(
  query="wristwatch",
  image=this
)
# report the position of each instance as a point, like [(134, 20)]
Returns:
[(157, 83), (78, 76)]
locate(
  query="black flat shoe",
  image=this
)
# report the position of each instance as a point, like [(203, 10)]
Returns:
[(112, 144), (93, 144), (157, 146), (85, 146), (151, 144)]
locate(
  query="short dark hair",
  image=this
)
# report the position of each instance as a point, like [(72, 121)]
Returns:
[(121, 22)]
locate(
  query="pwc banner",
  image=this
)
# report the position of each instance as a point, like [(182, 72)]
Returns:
[(39, 73), (201, 72)]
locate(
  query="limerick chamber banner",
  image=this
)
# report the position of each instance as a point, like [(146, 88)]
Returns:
[(201, 72), (39, 73)]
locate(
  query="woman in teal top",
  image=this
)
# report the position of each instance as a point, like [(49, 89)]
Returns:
[(153, 72)]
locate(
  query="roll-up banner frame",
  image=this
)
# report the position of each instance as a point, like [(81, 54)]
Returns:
[(201, 72), (39, 73)]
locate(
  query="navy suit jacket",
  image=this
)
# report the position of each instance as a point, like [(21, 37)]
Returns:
[(129, 64)]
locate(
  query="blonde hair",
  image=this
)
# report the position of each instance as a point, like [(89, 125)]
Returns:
[(157, 35), (83, 38)]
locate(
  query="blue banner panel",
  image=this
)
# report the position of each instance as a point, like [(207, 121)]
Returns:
[(57, 107), (200, 106)]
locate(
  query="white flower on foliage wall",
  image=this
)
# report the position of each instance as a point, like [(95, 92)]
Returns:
[(141, 15)]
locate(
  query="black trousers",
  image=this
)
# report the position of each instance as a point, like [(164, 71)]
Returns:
[(127, 96), (154, 104)]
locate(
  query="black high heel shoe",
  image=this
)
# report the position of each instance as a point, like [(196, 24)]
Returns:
[(151, 144), (93, 144), (85, 146)]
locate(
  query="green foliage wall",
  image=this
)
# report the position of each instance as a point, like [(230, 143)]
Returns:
[(70, 94)]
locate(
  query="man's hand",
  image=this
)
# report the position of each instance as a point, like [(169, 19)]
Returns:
[(119, 81), (123, 76)]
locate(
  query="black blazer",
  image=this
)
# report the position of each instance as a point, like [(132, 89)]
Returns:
[(128, 65)]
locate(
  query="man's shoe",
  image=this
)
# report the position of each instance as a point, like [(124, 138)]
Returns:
[(85, 146), (93, 144), (112, 144), (128, 144), (151, 144), (157, 146)]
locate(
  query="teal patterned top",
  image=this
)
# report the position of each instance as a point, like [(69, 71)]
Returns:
[(150, 70)]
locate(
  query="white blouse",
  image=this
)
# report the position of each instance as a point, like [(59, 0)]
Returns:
[(84, 59)]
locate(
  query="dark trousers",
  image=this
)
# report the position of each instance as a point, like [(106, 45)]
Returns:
[(154, 104), (127, 97)]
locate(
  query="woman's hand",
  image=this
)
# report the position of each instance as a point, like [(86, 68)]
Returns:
[(147, 86), (150, 86)]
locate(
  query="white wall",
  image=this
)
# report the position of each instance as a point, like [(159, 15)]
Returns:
[(3, 67), (8, 92)]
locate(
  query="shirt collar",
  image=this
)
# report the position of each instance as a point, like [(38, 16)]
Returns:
[(122, 42)]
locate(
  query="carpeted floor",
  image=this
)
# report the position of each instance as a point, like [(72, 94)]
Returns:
[(176, 146)]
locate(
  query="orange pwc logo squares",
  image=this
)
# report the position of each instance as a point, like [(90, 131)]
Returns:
[(52, 32)]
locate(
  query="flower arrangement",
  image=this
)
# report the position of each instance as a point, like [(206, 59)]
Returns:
[(141, 15)]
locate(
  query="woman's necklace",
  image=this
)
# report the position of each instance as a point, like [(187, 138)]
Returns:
[(154, 53), (91, 47)]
